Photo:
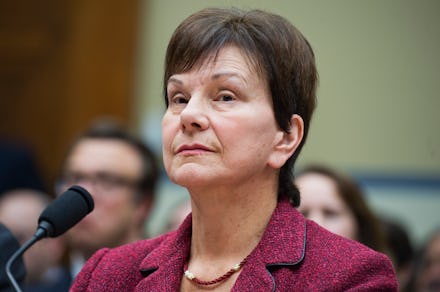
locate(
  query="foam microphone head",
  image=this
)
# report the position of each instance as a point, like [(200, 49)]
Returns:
[(65, 211)]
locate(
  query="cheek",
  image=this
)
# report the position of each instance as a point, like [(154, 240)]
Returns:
[(169, 130), (166, 127), (246, 137), (110, 207)]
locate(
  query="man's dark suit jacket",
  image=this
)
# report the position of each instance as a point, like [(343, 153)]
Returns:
[(8, 246)]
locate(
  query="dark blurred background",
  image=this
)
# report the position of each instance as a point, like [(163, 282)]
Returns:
[(62, 64)]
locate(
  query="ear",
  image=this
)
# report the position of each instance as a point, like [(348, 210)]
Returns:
[(286, 143)]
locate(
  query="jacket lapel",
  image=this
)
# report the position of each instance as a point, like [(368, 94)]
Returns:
[(282, 244), (163, 267)]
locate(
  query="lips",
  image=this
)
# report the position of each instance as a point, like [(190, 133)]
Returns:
[(193, 149)]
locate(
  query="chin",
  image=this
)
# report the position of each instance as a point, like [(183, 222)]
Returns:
[(190, 175), (191, 180)]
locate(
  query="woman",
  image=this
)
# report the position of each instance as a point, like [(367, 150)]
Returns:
[(426, 272), (335, 201), (240, 91)]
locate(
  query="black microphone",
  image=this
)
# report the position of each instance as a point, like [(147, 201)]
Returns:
[(64, 212)]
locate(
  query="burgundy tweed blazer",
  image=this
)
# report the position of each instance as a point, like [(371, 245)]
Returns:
[(294, 254)]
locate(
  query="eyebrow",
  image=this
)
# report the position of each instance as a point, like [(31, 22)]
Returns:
[(214, 77), (174, 80), (229, 75)]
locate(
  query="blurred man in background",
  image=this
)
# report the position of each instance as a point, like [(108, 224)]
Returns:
[(8, 246), (19, 211), (120, 173)]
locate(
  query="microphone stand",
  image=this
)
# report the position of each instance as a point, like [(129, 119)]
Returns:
[(39, 234), (76, 200)]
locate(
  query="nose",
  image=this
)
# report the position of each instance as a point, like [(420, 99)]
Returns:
[(194, 115)]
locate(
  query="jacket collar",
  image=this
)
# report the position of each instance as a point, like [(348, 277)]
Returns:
[(167, 260), (285, 237), (283, 243)]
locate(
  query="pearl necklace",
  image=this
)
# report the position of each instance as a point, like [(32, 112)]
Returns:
[(190, 276)]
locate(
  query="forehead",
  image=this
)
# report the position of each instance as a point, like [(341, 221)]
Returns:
[(318, 189), (314, 182), (104, 155), (228, 57)]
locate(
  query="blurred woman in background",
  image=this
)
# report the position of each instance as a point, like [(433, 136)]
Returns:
[(336, 202)]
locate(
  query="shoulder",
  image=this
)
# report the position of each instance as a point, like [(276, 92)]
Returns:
[(355, 264), (127, 255), (302, 256), (108, 268), (320, 240)]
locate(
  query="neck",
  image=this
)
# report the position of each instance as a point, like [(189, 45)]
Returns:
[(228, 225)]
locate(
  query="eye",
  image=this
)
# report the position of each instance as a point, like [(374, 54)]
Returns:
[(226, 97), (72, 178), (178, 99), (329, 213), (107, 181)]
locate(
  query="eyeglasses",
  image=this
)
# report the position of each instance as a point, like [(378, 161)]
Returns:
[(102, 182)]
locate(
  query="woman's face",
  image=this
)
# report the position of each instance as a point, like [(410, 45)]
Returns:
[(219, 128), (321, 203)]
